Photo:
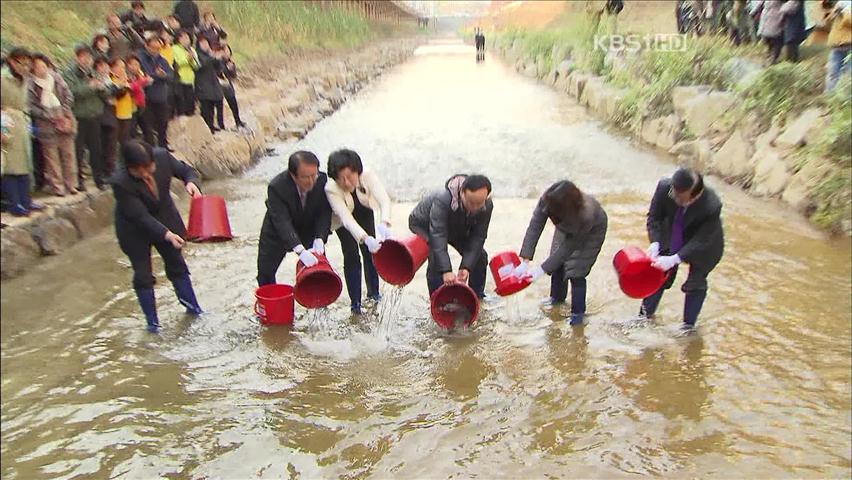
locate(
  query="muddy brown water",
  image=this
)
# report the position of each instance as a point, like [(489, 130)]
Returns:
[(761, 390)]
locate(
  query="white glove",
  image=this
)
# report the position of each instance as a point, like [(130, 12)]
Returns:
[(535, 273), (506, 270), (319, 247), (666, 263), (384, 232), (308, 258), (654, 250), (521, 269), (372, 244)]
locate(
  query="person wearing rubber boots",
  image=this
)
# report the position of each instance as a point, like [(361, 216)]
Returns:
[(298, 216), (357, 197), (684, 226), (146, 216), (581, 225), (457, 216)]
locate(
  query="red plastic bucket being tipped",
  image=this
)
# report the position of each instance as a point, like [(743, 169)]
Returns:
[(502, 265), (399, 259), (454, 305), (317, 286), (208, 220), (636, 277), (274, 305)]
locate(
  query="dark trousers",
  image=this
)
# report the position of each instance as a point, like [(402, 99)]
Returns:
[(139, 253), (142, 120), (477, 274), (219, 111), (695, 290), (16, 191), (38, 164), (89, 138), (351, 260), (186, 99), (207, 112), (775, 45), (559, 290), (231, 98), (269, 258), (157, 114), (109, 146), (792, 52), (123, 130)]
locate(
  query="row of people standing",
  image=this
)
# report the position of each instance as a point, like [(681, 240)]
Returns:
[(303, 207)]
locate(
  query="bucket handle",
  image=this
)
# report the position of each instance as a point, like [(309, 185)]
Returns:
[(259, 310)]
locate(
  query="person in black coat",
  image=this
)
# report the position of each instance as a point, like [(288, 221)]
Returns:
[(157, 93), (208, 90), (457, 216), (684, 225), (186, 11), (581, 225), (146, 216), (298, 216)]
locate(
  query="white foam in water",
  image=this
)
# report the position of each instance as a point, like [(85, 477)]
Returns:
[(520, 330)]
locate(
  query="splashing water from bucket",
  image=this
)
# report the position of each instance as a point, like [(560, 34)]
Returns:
[(388, 312), (461, 315)]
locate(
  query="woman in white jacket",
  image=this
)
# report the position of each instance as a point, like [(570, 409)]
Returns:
[(355, 197)]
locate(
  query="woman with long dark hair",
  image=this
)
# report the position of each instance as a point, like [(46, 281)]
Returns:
[(581, 225), (146, 216)]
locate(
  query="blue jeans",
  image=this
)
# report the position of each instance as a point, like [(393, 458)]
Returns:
[(838, 64)]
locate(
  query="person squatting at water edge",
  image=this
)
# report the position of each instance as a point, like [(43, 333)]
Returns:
[(298, 216), (146, 216), (581, 225), (458, 216), (355, 196), (684, 226)]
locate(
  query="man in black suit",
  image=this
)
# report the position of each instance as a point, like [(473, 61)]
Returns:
[(298, 216), (684, 225), (146, 216)]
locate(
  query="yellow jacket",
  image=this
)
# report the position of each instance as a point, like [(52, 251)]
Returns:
[(124, 105), (841, 30), (167, 53)]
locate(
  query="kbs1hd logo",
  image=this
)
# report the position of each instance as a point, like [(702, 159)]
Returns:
[(664, 42)]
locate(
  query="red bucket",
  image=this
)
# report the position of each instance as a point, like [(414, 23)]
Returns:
[(636, 277), (274, 305), (398, 260), (208, 220), (507, 284), (317, 286), (454, 303)]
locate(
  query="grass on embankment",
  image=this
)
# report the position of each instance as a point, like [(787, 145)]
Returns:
[(256, 29), (649, 77)]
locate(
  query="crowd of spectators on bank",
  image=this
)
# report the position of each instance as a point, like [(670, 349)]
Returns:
[(63, 124)]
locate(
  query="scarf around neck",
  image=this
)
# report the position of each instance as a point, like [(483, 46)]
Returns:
[(48, 100)]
